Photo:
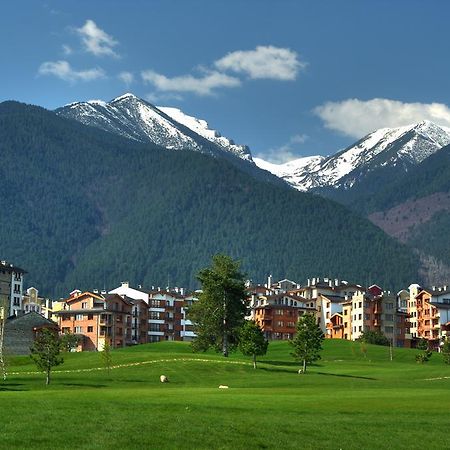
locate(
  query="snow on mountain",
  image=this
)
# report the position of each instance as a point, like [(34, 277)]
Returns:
[(402, 147), (201, 127), (294, 172), (137, 119)]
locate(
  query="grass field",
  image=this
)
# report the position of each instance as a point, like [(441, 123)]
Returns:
[(346, 401)]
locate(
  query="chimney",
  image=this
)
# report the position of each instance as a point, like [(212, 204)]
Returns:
[(125, 284), (309, 282), (336, 282), (269, 281)]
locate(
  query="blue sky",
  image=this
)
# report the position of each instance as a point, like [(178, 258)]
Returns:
[(287, 78)]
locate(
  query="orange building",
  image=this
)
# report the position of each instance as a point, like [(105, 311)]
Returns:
[(433, 314), (95, 318), (277, 314), (335, 327)]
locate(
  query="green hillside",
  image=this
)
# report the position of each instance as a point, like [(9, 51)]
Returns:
[(347, 400), (84, 208)]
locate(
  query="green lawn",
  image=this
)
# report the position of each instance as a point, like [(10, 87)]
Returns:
[(346, 401)]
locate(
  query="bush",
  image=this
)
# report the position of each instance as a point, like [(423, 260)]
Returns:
[(374, 337)]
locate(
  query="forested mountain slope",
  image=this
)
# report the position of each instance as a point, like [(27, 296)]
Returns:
[(84, 208)]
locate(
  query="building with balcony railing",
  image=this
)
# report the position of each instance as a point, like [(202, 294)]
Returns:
[(96, 318)]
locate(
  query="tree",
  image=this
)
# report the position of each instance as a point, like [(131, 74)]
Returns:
[(446, 350), (106, 355), (69, 341), (3, 310), (425, 354), (252, 341), (374, 337), (307, 342), (220, 310), (45, 351)]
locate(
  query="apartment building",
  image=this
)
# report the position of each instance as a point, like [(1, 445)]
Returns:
[(327, 296), (167, 310), (433, 314), (11, 288), (413, 290), (276, 310), (96, 318), (376, 310), (32, 302)]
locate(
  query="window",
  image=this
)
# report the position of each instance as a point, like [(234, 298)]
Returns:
[(366, 316), (153, 315), (389, 329), (90, 329), (90, 316), (389, 317), (389, 306), (16, 301), (84, 305), (359, 316), (360, 305), (79, 317), (78, 330)]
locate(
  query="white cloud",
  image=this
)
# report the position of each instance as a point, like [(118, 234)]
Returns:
[(356, 118), (204, 85), (67, 50), (264, 62), (286, 152), (96, 41), (126, 77), (155, 98), (64, 71)]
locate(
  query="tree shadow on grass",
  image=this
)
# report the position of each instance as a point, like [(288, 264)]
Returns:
[(12, 387), (344, 376), (280, 363), (85, 385), (276, 369)]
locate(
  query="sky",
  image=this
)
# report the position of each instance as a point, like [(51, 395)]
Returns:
[(287, 78)]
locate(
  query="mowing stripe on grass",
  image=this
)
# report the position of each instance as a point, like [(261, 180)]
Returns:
[(120, 366)]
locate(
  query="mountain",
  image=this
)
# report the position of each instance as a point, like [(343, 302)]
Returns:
[(134, 118), (415, 209), (84, 208), (364, 166)]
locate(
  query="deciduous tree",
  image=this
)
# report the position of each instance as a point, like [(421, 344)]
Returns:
[(220, 310), (307, 342), (45, 351), (446, 350), (252, 341)]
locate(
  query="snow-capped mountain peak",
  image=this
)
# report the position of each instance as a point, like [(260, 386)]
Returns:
[(386, 147), (137, 119)]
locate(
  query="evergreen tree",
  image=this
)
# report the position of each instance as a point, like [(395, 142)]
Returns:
[(45, 351), (307, 342), (106, 355), (220, 310), (446, 351), (252, 341)]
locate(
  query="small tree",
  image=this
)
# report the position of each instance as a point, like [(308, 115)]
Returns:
[(446, 351), (307, 342), (3, 314), (45, 351), (220, 310), (374, 337), (106, 355), (252, 341), (69, 342), (425, 355)]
